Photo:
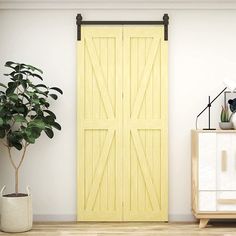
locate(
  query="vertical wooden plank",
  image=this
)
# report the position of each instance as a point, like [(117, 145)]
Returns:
[(164, 133), (157, 162), (96, 132), (141, 64), (126, 129), (119, 121), (103, 61), (148, 116), (111, 81), (80, 131), (88, 136), (133, 90), (156, 83)]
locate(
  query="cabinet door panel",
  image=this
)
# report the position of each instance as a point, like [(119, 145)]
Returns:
[(226, 171), (226, 201), (207, 201), (207, 161)]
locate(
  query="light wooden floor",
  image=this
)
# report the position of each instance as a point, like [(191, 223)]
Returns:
[(130, 229)]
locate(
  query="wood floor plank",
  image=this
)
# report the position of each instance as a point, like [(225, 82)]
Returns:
[(129, 228)]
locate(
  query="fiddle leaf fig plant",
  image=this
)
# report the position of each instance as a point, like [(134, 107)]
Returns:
[(25, 110)]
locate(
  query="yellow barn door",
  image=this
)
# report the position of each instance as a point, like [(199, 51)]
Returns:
[(145, 124), (122, 159), (100, 124)]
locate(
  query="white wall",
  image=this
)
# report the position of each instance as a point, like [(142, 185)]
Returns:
[(202, 51)]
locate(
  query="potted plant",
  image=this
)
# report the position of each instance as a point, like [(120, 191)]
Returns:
[(24, 115), (225, 119)]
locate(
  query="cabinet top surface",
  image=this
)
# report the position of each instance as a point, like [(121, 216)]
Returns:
[(213, 131)]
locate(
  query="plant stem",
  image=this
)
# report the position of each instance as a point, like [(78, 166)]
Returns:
[(16, 181), (10, 157), (23, 155), (17, 167)]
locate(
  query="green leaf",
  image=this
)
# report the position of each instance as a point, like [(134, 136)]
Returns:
[(29, 139), (19, 67), (49, 120), (37, 91), (10, 64), (50, 113), (30, 134), (37, 123), (56, 125), (49, 133), (1, 121), (38, 76), (18, 76), (23, 95), (54, 96), (2, 133), (14, 139), (24, 84), (21, 108), (13, 97), (36, 101), (47, 105), (31, 68), (57, 89), (31, 94), (18, 146), (3, 85), (35, 132), (19, 118), (11, 84), (10, 90), (41, 85)]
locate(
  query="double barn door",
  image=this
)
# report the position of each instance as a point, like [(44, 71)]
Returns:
[(122, 117)]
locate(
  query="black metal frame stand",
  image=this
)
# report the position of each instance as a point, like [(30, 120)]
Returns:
[(209, 110)]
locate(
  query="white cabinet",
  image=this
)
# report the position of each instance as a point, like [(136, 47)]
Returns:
[(213, 174)]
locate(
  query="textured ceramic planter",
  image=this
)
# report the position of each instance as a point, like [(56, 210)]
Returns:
[(16, 212), (226, 125)]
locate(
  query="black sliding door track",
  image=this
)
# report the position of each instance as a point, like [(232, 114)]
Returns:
[(79, 22)]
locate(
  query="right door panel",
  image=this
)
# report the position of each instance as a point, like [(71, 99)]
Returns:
[(226, 162), (145, 124)]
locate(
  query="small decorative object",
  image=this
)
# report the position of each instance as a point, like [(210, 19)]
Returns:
[(232, 106), (231, 85), (225, 119), (24, 115)]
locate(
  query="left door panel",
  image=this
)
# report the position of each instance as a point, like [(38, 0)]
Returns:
[(100, 124)]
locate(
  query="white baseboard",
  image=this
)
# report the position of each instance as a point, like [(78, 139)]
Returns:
[(172, 218), (180, 217), (51, 218)]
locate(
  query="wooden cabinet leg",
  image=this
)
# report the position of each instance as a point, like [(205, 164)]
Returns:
[(203, 223)]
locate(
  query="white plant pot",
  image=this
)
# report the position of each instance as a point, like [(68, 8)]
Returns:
[(226, 125), (16, 213)]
